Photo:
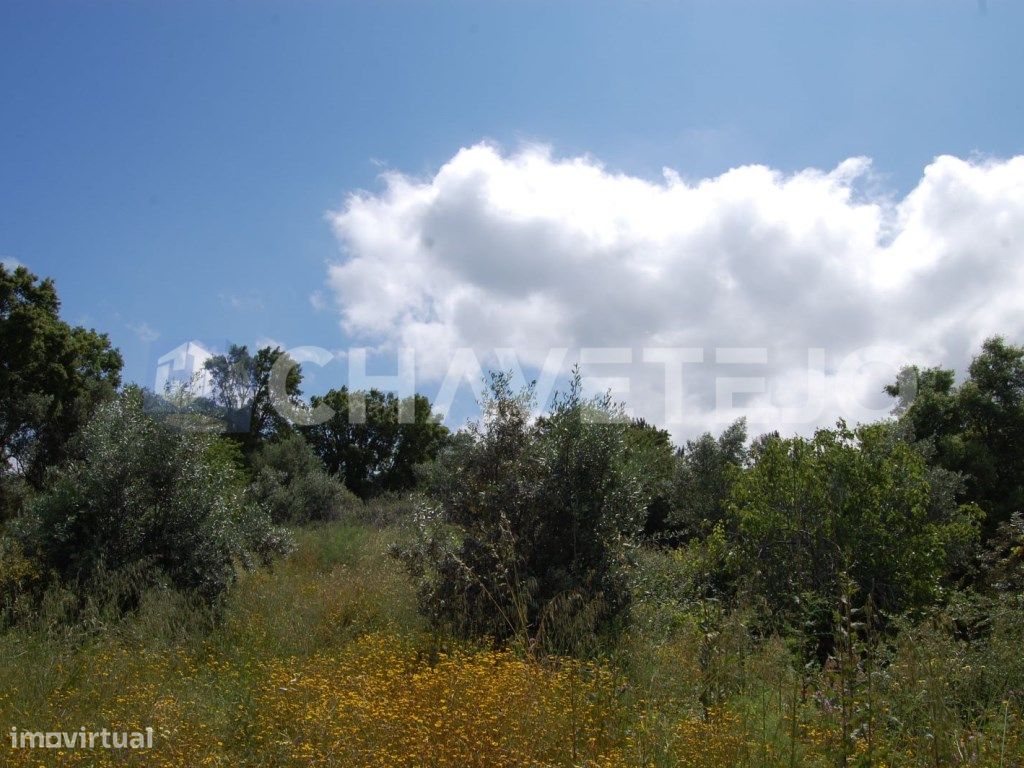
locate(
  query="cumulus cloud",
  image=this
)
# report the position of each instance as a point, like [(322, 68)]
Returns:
[(815, 281)]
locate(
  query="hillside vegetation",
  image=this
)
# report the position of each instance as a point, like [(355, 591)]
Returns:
[(568, 590)]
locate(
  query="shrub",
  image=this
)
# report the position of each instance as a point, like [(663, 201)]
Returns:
[(17, 574), (855, 504), (1003, 558), (291, 481), (529, 525), (138, 496)]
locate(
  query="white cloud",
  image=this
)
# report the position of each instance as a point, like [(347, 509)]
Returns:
[(10, 263), (532, 252), (318, 301), (145, 332)]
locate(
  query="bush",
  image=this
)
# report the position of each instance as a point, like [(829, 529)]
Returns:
[(137, 496), (1003, 559), (291, 481), (848, 504), (18, 573), (530, 525)]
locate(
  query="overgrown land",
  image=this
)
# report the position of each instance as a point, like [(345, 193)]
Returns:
[(569, 590)]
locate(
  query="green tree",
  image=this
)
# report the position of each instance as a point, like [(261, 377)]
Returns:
[(375, 440), (976, 428), (291, 481), (853, 504), (137, 496), (651, 450), (255, 391), (52, 376), (706, 470)]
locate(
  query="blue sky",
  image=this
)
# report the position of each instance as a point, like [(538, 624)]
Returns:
[(171, 164)]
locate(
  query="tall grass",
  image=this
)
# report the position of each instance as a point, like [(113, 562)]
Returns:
[(324, 660)]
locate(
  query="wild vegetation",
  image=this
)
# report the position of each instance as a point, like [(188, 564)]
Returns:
[(569, 590)]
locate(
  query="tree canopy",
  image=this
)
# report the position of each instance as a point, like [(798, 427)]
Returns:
[(375, 440), (244, 385), (975, 428), (846, 504), (52, 377)]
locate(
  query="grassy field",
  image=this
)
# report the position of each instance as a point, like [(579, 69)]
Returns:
[(324, 661)]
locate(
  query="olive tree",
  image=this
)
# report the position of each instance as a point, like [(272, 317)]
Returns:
[(137, 495), (530, 524)]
